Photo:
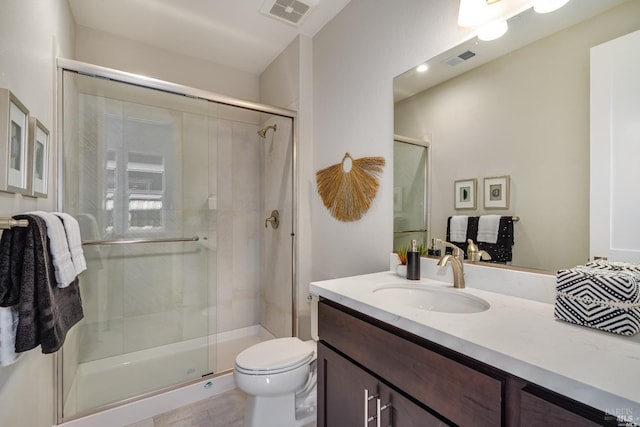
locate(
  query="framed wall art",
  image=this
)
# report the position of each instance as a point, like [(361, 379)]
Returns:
[(496, 192), (14, 151), (465, 194), (39, 162)]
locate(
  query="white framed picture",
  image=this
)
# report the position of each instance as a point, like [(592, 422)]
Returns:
[(465, 193), (496, 192), (14, 151), (39, 162)]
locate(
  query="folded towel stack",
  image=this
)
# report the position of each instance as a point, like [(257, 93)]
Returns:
[(488, 226), (458, 228), (600, 295), (65, 246), (492, 233), (39, 284), (74, 241)]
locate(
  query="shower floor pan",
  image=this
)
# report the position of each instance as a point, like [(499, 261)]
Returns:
[(118, 378)]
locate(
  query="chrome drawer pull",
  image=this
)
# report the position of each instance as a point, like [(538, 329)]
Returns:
[(379, 410), (367, 398)]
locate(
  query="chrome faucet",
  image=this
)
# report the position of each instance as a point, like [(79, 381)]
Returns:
[(457, 264)]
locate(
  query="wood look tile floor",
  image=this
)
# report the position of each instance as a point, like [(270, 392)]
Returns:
[(223, 410)]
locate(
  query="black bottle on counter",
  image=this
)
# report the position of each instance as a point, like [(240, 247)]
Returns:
[(432, 250), (413, 262)]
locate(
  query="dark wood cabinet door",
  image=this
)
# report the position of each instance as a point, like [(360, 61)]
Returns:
[(402, 412), (341, 397), (341, 388)]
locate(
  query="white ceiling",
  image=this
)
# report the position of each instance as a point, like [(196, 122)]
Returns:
[(233, 33)]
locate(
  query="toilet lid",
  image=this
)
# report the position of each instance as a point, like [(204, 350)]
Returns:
[(275, 355)]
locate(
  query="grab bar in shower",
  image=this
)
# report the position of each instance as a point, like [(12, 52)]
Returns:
[(422, 230), (135, 241)]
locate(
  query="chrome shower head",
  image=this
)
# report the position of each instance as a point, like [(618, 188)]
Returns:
[(263, 132)]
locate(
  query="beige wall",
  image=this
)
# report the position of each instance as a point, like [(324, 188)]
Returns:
[(355, 58), (32, 33), (108, 50), (525, 115), (286, 83)]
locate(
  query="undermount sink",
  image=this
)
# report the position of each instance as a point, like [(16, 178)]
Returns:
[(430, 299)]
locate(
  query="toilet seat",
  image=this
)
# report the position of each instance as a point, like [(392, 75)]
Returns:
[(274, 356)]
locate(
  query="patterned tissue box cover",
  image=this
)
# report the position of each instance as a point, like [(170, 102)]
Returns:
[(600, 295)]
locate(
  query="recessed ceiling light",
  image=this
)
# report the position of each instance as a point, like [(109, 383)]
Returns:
[(422, 68)]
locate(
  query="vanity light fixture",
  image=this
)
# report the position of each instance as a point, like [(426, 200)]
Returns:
[(546, 6), (490, 16), (493, 30), (422, 68)]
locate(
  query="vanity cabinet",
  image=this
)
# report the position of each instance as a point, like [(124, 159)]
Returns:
[(420, 383), (456, 392)]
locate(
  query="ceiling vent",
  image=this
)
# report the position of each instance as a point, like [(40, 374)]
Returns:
[(290, 11), (455, 60)]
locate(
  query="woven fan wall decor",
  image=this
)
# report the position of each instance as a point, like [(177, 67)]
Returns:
[(347, 188)]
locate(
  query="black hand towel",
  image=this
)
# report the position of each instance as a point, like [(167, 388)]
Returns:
[(501, 251), (46, 312), (9, 286)]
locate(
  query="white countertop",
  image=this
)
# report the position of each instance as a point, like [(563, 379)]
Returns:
[(517, 335)]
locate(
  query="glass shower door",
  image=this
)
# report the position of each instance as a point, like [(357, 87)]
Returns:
[(410, 219), (136, 175)]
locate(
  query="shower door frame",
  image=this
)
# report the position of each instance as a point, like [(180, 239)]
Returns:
[(97, 71)]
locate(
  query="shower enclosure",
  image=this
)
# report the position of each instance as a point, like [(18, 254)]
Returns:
[(173, 188), (410, 191)]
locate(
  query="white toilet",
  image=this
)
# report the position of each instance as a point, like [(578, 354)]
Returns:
[(279, 376)]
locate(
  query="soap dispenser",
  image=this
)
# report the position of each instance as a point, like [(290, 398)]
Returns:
[(433, 250), (413, 262)]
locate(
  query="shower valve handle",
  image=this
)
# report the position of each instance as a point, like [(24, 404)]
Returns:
[(274, 219)]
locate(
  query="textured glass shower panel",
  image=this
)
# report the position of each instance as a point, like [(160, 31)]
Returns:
[(409, 193), (136, 166)]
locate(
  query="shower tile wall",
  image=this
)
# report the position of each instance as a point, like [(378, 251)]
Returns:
[(254, 262), (276, 244), (238, 229), (238, 221)]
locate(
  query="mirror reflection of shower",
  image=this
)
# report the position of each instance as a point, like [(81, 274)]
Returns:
[(263, 132)]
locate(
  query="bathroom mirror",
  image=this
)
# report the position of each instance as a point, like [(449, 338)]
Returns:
[(518, 107)]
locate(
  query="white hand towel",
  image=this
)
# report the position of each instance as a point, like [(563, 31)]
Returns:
[(8, 328), (458, 228), (74, 240), (61, 257), (488, 228)]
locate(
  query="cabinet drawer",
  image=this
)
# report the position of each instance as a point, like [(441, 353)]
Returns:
[(539, 411), (457, 392)]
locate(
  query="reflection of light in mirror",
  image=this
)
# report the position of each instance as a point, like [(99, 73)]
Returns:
[(422, 68), (493, 30), (476, 13), (546, 6)]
